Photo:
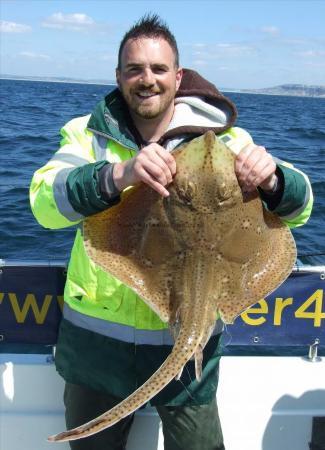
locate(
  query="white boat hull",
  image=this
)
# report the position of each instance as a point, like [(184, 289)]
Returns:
[(265, 403)]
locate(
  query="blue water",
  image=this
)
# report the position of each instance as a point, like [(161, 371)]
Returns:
[(292, 128)]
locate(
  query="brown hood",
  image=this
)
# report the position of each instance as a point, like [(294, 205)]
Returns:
[(193, 84)]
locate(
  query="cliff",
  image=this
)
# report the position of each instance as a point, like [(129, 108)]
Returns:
[(300, 90)]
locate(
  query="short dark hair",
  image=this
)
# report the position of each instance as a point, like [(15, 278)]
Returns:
[(150, 26)]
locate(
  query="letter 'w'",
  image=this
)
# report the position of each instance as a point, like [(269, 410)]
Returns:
[(30, 302)]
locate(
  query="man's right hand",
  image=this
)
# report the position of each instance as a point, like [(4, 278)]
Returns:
[(153, 165)]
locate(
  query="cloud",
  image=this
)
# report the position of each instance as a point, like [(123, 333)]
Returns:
[(315, 65), (235, 49), (198, 45), (270, 30), (32, 55), (296, 42), (312, 54), (74, 22), (199, 62), (13, 27), (205, 52), (109, 58)]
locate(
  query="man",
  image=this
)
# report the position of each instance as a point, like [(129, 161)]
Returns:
[(110, 342)]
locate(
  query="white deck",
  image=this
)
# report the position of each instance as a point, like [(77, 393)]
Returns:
[(265, 403)]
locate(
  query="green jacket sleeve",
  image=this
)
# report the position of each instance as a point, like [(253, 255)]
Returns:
[(294, 205), (84, 189)]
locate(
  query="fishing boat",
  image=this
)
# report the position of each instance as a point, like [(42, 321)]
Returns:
[(271, 392)]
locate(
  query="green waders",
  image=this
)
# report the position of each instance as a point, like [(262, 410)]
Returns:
[(184, 427)]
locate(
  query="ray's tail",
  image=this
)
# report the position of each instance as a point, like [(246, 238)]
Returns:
[(184, 348)]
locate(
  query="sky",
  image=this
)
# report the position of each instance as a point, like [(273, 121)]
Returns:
[(235, 44)]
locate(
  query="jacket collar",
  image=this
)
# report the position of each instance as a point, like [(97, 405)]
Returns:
[(111, 119)]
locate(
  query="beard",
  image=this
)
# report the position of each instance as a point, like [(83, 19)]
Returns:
[(147, 112), (152, 107)]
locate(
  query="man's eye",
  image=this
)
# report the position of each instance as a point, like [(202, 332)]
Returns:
[(133, 70), (160, 70)]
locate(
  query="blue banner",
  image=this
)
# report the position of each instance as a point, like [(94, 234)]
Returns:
[(293, 315), (31, 301)]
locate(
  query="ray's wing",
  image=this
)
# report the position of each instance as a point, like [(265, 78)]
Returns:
[(256, 255), (134, 242)]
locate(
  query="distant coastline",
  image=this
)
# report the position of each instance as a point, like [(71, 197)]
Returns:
[(57, 80), (297, 90)]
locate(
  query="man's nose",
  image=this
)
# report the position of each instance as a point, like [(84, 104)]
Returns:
[(147, 77)]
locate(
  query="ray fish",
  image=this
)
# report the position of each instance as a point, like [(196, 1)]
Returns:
[(205, 250)]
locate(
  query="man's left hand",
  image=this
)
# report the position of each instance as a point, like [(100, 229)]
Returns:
[(254, 167)]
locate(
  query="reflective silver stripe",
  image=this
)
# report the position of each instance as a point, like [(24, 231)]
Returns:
[(298, 211), (75, 161), (277, 160), (124, 333), (308, 194), (59, 185), (61, 196), (99, 144)]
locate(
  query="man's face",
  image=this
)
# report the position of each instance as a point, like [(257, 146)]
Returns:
[(148, 78)]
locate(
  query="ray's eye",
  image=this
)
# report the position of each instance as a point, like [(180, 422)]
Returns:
[(187, 192), (223, 191)]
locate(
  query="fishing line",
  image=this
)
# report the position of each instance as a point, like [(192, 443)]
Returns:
[(185, 387), (188, 392), (225, 332), (311, 254)]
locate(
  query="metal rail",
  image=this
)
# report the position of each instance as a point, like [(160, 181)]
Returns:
[(63, 263)]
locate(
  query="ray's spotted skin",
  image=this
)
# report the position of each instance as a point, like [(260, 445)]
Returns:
[(204, 249)]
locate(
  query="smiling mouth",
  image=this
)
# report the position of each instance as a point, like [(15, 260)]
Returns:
[(145, 95)]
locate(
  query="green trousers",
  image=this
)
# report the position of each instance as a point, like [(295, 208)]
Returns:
[(184, 427)]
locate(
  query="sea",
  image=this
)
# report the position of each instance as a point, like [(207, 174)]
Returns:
[(32, 113)]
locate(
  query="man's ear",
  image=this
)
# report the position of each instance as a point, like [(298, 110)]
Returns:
[(117, 76), (179, 75)]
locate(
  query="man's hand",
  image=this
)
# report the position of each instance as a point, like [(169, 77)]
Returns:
[(254, 167), (153, 165)]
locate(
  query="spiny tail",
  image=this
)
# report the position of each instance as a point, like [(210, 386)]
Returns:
[(167, 371)]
